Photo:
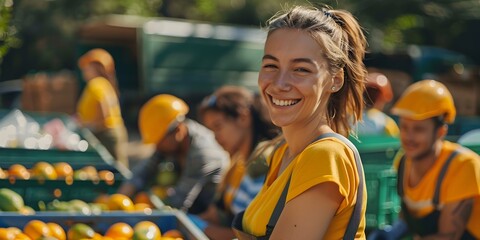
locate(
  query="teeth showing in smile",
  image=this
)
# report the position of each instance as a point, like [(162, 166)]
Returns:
[(282, 103)]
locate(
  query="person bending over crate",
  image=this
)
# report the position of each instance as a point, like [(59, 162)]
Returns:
[(188, 162)]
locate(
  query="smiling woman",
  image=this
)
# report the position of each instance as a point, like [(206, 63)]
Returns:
[(312, 80)]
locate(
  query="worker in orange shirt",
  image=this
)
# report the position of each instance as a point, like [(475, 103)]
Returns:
[(438, 181)]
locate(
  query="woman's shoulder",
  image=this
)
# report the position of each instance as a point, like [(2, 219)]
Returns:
[(327, 146), (328, 151)]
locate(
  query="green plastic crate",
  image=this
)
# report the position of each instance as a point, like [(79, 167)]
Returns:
[(383, 203), (376, 150), (96, 154), (474, 147), (165, 220), (34, 191)]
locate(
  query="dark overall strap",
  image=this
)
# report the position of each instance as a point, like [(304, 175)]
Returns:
[(441, 176), (278, 209), (356, 217), (428, 224), (401, 170)]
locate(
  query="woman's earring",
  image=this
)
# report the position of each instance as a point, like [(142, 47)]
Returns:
[(333, 88)]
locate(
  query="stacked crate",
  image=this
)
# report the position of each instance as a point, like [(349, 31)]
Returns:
[(54, 92)]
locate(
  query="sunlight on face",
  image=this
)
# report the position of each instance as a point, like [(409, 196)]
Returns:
[(292, 77)]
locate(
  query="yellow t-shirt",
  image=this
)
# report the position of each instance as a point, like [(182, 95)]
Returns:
[(99, 94), (461, 181), (326, 160)]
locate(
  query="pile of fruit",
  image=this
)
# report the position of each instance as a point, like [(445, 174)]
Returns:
[(104, 202), (39, 230), (60, 170), (10, 201)]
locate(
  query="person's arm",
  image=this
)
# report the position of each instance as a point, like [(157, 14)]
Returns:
[(211, 214), (107, 101), (453, 220), (194, 179), (97, 123), (219, 232), (304, 218), (127, 189), (141, 175)]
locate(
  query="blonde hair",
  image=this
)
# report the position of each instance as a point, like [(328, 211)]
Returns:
[(343, 42)]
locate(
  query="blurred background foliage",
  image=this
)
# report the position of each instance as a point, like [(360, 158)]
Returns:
[(41, 34), (7, 31)]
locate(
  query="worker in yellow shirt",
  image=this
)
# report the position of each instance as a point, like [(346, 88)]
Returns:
[(378, 92), (438, 181), (98, 108), (312, 79)]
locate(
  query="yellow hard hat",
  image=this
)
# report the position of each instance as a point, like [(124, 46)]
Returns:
[(426, 99), (158, 114), (98, 55)]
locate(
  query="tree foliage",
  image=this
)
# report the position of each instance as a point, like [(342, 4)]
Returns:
[(7, 31), (393, 24), (47, 28)]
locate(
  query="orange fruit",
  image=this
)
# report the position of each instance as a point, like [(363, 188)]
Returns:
[(18, 171), (106, 175), (97, 236), (173, 233), (44, 170), (142, 207), (119, 230), (142, 197), (36, 229), (91, 172), (146, 230), (63, 169), (120, 202), (12, 233), (80, 175), (5, 234), (22, 236), (80, 231), (57, 231)]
